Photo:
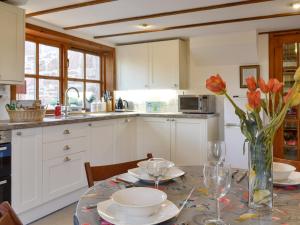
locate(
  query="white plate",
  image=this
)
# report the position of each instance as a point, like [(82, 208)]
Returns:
[(112, 213), (141, 174), (294, 179)]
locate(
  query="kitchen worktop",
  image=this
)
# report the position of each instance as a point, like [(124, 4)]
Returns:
[(81, 118)]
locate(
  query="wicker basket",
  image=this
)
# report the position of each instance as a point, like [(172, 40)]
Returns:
[(26, 115)]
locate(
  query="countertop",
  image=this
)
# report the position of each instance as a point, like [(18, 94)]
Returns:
[(81, 118)]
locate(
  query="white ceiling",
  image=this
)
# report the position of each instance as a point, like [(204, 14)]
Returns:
[(130, 8)]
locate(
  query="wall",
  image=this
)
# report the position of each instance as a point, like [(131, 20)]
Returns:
[(236, 49)]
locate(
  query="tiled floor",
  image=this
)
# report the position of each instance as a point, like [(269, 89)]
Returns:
[(61, 217)]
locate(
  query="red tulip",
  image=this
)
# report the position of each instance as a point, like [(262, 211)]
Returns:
[(254, 99), (263, 86), (275, 86), (251, 83), (216, 84)]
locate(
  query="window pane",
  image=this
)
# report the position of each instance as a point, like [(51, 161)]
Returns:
[(30, 57), (30, 90), (73, 97), (76, 64), (49, 60), (92, 67), (49, 92), (92, 91)]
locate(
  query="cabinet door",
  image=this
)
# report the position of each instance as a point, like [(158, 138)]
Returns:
[(189, 140), (154, 137), (165, 64), (133, 67), (63, 175), (125, 140), (102, 142), (11, 44), (26, 169)]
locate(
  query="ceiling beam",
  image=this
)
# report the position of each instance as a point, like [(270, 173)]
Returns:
[(199, 9), (67, 7), (203, 24)]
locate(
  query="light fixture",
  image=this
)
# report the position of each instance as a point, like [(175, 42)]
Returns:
[(296, 5), (144, 26)]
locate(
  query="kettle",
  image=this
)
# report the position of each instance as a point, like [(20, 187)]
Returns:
[(121, 105)]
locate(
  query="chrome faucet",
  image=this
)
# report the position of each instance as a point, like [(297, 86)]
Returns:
[(67, 99)]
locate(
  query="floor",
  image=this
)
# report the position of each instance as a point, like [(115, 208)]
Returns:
[(61, 217)]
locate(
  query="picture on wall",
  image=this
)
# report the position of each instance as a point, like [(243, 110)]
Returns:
[(247, 71)]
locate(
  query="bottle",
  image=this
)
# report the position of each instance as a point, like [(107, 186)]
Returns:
[(57, 111), (94, 107)]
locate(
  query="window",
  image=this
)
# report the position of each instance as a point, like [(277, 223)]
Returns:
[(83, 74), (42, 73), (45, 79)]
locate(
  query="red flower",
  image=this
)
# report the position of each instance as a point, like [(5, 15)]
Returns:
[(216, 84), (251, 83), (275, 86), (254, 99), (263, 86)]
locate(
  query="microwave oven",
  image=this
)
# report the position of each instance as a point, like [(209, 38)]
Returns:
[(197, 104)]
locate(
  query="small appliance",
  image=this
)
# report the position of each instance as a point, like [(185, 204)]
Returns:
[(205, 104), (121, 105)]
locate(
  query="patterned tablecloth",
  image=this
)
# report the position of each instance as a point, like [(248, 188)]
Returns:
[(234, 209)]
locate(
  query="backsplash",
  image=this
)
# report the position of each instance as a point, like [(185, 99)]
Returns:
[(4, 99)]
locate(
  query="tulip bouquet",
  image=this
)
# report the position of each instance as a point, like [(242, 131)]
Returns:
[(266, 110)]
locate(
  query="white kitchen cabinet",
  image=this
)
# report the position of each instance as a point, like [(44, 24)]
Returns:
[(102, 142), (132, 67), (154, 136), (12, 41), (63, 175), (126, 141), (26, 169), (154, 65)]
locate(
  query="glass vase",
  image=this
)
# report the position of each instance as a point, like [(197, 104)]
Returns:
[(260, 174)]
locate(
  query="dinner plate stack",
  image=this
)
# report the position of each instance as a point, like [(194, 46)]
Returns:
[(137, 206)]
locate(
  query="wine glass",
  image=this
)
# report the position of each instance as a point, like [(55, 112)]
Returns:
[(158, 168), (217, 179), (216, 152)]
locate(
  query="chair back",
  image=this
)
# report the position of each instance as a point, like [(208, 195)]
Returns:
[(98, 173), (8, 215)]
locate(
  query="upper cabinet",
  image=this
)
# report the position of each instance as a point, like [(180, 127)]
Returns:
[(12, 40), (155, 65)]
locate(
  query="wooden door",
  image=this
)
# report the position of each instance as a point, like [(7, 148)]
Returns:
[(284, 60)]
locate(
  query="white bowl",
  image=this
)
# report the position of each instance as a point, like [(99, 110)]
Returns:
[(139, 201), (282, 171)]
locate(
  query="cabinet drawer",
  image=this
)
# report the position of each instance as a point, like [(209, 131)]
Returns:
[(65, 147), (63, 175), (63, 132)]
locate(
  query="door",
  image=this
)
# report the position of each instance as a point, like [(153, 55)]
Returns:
[(12, 41), (63, 175), (26, 168), (154, 137), (125, 140), (189, 140), (132, 67), (102, 142), (165, 64)]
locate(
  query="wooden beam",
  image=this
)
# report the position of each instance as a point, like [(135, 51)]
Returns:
[(203, 24), (67, 7), (172, 13)]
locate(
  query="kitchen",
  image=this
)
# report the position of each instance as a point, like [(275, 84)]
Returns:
[(82, 84)]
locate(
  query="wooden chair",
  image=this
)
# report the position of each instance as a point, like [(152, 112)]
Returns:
[(98, 173), (8, 215)]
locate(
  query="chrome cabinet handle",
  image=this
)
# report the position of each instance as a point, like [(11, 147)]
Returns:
[(67, 147), (127, 120), (3, 182), (168, 119), (19, 133), (67, 132), (67, 159), (89, 124), (175, 85)]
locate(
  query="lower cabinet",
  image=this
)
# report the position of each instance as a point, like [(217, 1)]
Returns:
[(63, 175), (26, 169), (154, 136)]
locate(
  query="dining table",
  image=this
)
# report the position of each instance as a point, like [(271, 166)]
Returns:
[(199, 207)]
